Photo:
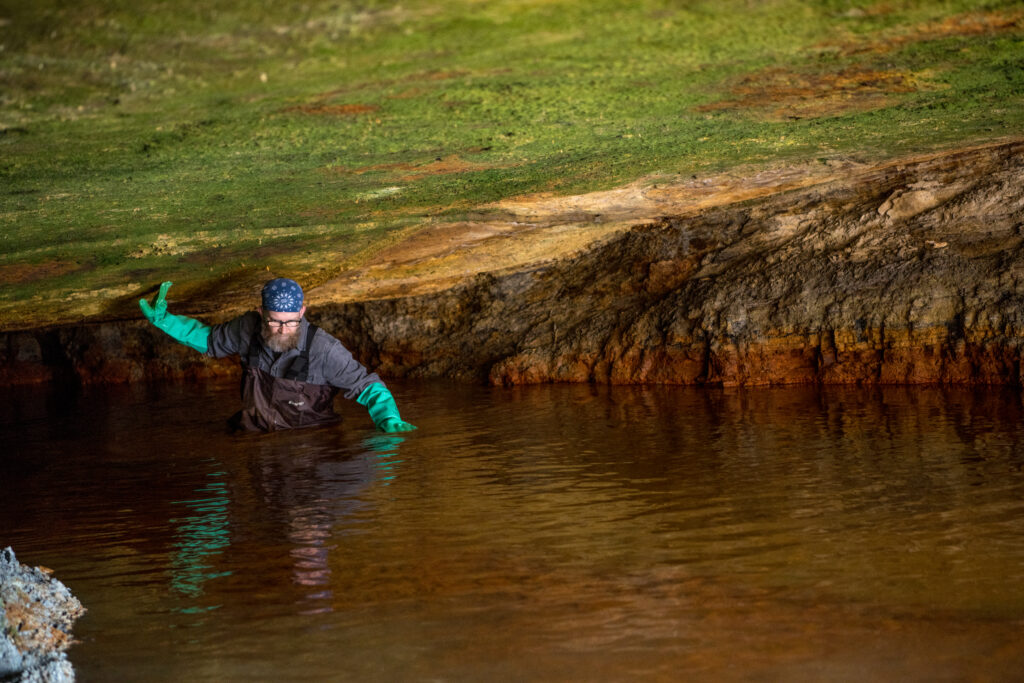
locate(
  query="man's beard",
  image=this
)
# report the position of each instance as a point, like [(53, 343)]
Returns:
[(280, 342)]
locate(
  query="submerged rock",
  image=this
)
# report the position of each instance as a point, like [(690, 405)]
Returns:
[(36, 616)]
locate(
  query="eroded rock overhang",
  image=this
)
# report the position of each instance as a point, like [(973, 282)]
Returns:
[(903, 272)]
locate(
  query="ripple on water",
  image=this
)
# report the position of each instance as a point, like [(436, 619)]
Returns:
[(549, 533)]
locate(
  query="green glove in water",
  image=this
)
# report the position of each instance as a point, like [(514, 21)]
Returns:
[(382, 408), (184, 330)]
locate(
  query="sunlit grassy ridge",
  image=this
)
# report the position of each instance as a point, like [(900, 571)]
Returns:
[(209, 142)]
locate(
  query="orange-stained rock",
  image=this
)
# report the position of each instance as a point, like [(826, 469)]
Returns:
[(910, 271)]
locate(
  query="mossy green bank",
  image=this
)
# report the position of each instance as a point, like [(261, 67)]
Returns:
[(209, 143)]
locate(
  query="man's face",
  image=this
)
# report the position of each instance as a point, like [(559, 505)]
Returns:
[(281, 330)]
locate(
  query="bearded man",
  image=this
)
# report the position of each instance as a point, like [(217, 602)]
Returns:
[(292, 368)]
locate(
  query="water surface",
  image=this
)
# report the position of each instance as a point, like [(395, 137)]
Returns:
[(563, 533)]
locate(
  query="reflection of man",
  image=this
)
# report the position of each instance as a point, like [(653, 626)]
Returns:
[(293, 369), (321, 494)]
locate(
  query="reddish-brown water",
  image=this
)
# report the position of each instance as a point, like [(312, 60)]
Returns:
[(551, 533)]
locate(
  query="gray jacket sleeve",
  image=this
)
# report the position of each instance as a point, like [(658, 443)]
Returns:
[(232, 337), (339, 369)]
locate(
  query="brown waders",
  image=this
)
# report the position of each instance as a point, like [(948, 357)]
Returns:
[(270, 403)]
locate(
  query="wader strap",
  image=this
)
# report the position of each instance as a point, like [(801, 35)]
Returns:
[(299, 369), (252, 356)]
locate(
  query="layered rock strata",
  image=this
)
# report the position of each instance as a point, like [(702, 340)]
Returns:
[(905, 272), (908, 272)]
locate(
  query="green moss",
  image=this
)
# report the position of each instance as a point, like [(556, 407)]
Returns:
[(127, 126)]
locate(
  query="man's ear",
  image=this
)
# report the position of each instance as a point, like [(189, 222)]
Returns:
[(302, 311)]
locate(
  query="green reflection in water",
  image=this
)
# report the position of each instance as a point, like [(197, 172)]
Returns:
[(200, 535), (384, 447)]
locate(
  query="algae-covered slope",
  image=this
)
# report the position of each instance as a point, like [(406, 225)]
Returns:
[(215, 143)]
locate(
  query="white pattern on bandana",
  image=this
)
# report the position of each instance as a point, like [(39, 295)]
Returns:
[(282, 295)]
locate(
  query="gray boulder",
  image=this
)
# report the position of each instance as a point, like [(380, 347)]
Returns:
[(36, 616)]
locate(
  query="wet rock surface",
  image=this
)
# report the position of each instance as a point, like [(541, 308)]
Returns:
[(36, 616), (904, 272), (907, 272)]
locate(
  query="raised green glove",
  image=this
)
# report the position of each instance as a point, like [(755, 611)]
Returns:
[(187, 331), (382, 408)]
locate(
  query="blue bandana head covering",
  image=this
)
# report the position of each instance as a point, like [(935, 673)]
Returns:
[(282, 296)]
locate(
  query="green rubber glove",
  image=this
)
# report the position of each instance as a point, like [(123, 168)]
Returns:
[(382, 408), (187, 331)]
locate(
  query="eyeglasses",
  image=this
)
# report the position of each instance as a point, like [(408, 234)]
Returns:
[(290, 324)]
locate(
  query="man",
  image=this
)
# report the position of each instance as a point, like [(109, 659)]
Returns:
[(292, 368)]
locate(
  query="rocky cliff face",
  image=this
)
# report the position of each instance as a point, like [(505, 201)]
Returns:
[(905, 272)]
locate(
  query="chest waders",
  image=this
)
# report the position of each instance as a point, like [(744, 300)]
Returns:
[(270, 403)]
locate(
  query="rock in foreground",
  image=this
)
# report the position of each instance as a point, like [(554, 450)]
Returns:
[(36, 616)]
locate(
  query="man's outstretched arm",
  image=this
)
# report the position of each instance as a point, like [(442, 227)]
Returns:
[(183, 330)]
